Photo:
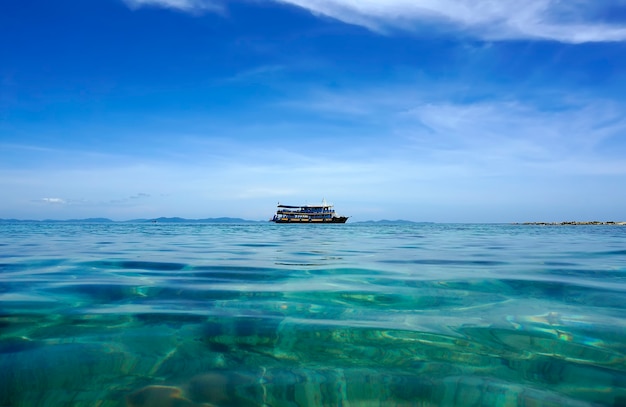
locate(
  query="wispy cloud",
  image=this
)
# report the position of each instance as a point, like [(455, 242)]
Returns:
[(492, 20), (55, 201), (131, 198), (569, 22), (507, 134), (191, 6), (259, 73), (89, 202), (502, 135)]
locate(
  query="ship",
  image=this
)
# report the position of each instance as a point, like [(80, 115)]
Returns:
[(324, 213)]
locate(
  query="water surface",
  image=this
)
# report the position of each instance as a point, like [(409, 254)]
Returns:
[(312, 315)]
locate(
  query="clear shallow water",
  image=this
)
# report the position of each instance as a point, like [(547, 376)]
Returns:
[(312, 315)]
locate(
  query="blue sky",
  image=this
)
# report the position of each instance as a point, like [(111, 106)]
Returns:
[(444, 111)]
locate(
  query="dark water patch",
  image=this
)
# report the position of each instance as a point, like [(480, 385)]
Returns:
[(110, 253), (236, 328), (193, 297), (79, 318), (32, 265), (560, 264), (422, 301), (485, 287), (134, 265), (426, 298), (298, 264), (168, 318), (585, 273), (29, 303), (446, 262), (611, 253), (310, 253), (96, 291), (240, 254), (411, 247), (575, 291), (347, 271), (258, 244), (225, 277), (18, 344), (212, 297), (164, 292), (235, 334), (232, 273)]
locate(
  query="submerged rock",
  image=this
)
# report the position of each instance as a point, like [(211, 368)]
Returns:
[(160, 396)]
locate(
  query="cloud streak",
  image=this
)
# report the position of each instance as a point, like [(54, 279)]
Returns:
[(86, 202), (190, 6), (491, 20), (513, 135), (568, 22), (503, 135), (54, 201)]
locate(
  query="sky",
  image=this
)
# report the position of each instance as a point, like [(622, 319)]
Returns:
[(423, 110)]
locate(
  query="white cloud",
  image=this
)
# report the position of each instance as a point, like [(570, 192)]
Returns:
[(488, 19), (514, 135), (53, 200), (88, 202), (191, 6), (501, 136), (569, 21)]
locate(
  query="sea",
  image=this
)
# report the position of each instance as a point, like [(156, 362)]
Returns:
[(264, 314)]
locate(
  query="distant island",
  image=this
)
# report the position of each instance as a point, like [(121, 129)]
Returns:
[(206, 220), (223, 220), (573, 223), (153, 220), (185, 220)]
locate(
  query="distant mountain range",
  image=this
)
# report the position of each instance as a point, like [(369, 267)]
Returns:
[(184, 220), (154, 220), (223, 220)]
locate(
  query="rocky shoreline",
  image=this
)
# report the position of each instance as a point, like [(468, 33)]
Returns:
[(573, 223)]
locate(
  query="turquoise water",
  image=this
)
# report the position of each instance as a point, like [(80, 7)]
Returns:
[(312, 315)]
